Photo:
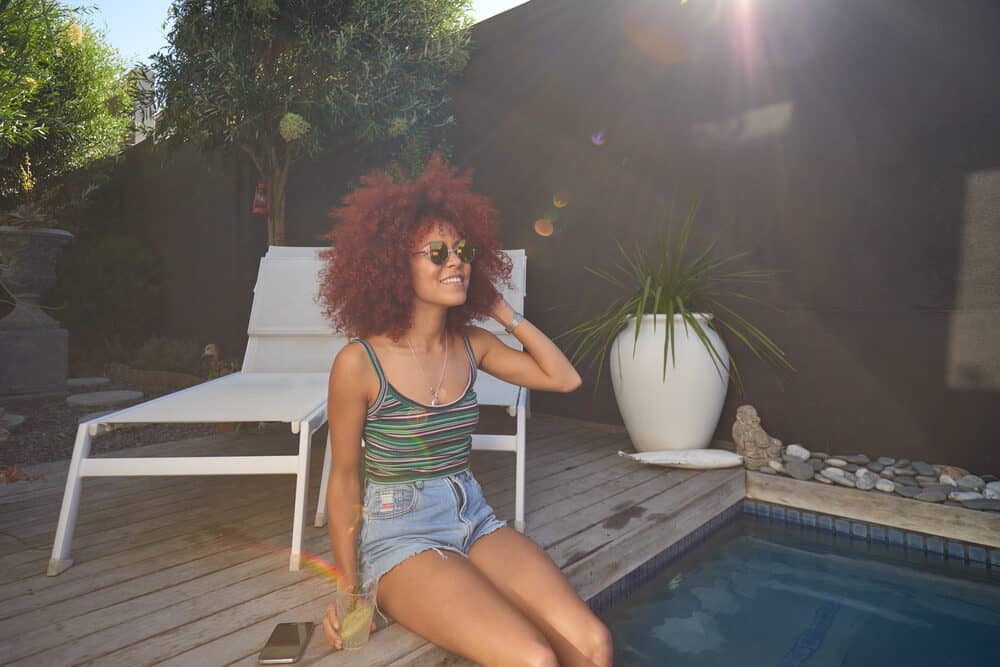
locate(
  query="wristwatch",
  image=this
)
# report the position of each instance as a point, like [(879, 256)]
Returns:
[(518, 318)]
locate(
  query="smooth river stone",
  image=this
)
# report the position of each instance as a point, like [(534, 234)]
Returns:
[(908, 491), (886, 461), (932, 496), (971, 483), (797, 452), (990, 504), (857, 459), (885, 485), (875, 466), (833, 461), (992, 490), (865, 479), (924, 468), (904, 472), (799, 470), (963, 495), (819, 478), (817, 464)]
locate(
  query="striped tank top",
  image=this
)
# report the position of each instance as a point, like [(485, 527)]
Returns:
[(406, 441)]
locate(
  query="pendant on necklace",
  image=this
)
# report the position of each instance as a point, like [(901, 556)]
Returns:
[(434, 402)]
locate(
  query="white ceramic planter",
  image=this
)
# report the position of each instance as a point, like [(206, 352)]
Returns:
[(681, 411)]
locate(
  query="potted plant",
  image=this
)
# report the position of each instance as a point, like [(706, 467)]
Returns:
[(673, 310)]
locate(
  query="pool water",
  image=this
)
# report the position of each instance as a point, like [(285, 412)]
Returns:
[(757, 593)]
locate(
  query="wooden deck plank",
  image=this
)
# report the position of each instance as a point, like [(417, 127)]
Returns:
[(196, 586)]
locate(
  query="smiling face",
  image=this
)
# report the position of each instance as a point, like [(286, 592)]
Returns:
[(447, 284)]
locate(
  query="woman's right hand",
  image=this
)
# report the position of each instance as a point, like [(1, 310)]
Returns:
[(331, 627)]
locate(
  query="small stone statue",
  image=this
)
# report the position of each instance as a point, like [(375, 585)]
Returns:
[(752, 441)]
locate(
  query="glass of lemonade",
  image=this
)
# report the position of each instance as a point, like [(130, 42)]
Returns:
[(356, 609)]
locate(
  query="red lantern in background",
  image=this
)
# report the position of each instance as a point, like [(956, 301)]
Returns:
[(261, 199)]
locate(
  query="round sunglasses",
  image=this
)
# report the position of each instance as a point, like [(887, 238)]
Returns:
[(438, 252)]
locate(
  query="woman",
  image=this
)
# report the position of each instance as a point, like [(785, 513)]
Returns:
[(411, 265)]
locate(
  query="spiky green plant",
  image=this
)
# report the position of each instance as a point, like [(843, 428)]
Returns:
[(667, 281)]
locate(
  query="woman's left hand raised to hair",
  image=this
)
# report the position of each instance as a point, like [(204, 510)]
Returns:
[(502, 311)]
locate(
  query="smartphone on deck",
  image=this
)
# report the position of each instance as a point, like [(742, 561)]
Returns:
[(287, 643)]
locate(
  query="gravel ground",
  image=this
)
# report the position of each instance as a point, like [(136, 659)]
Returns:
[(49, 431)]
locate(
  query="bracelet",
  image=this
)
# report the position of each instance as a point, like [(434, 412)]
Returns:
[(518, 318)]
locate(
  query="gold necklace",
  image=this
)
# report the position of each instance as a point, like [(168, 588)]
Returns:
[(435, 390)]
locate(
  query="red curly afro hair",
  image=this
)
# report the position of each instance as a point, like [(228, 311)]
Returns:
[(366, 286)]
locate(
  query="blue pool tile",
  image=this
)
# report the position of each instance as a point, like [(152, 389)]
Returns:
[(956, 550), (896, 536), (877, 533), (934, 545), (778, 512), (809, 519), (859, 530), (825, 522), (763, 509), (977, 554), (842, 526), (914, 541), (749, 506), (995, 558), (793, 516)]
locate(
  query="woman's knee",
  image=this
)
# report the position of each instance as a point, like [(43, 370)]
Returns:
[(538, 654), (598, 644)]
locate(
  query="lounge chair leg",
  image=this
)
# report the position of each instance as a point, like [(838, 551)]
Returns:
[(519, 474), (301, 484), (60, 559), (324, 481)]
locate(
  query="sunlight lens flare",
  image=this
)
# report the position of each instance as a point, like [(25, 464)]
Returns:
[(544, 227), (561, 199)]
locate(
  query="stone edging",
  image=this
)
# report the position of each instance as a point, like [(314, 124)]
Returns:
[(952, 523)]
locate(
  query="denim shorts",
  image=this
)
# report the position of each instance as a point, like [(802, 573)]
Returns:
[(401, 520)]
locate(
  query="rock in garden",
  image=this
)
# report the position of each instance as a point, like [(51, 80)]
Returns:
[(992, 490), (904, 471), (799, 470), (776, 465), (865, 479), (908, 491), (954, 472), (838, 476), (885, 461), (989, 504), (923, 480), (851, 467), (823, 456), (819, 478), (971, 483), (885, 485), (888, 473), (817, 464), (833, 461), (902, 463), (857, 459), (932, 496), (767, 470), (963, 495), (875, 466), (99, 399), (947, 479), (924, 468), (943, 488), (11, 421), (797, 452), (86, 383)]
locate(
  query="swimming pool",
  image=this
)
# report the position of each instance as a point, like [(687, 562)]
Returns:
[(757, 592)]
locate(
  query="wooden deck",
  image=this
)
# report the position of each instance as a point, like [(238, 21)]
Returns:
[(193, 570)]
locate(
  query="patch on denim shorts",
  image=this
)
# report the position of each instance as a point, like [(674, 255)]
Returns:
[(387, 501)]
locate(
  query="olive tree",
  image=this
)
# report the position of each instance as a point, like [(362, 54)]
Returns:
[(280, 79)]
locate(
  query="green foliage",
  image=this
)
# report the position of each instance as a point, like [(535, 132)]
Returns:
[(668, 281), (279, 80), (169, 354), (110, 293), (64, 97)]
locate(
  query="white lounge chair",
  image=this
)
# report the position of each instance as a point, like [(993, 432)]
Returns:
[(489, 391), (283, 379)]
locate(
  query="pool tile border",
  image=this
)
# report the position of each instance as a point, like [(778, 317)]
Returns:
[(975, 555), (638, 577)]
